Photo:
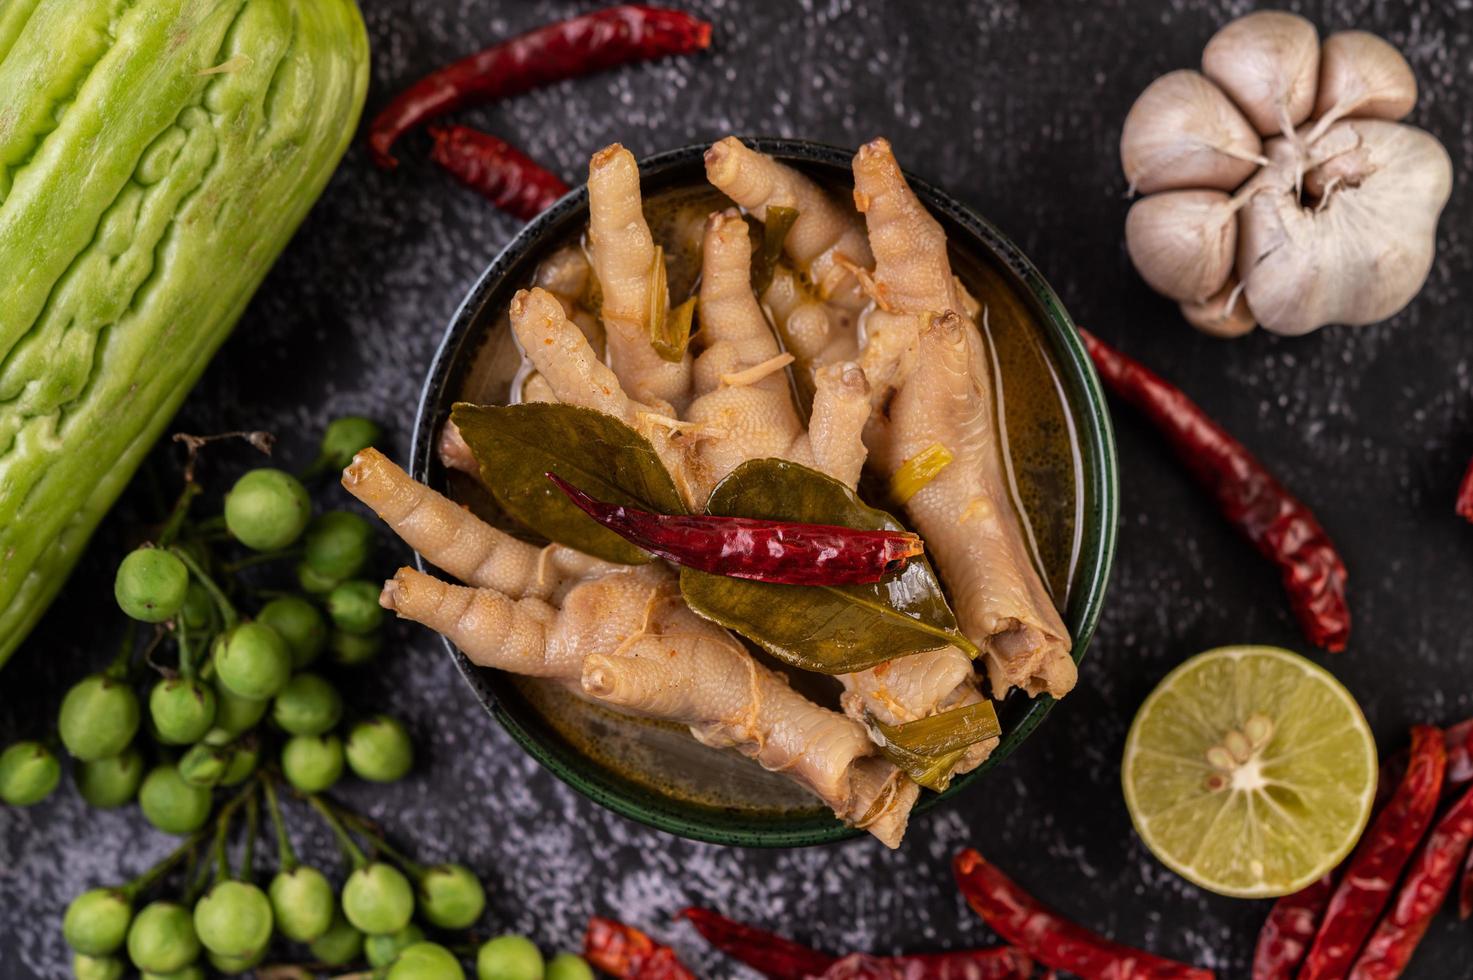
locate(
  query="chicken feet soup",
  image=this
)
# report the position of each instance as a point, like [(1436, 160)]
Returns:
[(762, 352)]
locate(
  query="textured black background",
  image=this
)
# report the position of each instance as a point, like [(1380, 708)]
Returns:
[(1015, 107)]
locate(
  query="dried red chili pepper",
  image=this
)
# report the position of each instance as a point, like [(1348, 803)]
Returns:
[(1464, 506), (1290, 929), (787, 552), (998, 963), (1427, 883), (1042, 934), (1465, 894), (1378, 859), (1459, 742), (625, 952), (768, 953), (779, 958), (496, 170), (569, 48), (1281, 527)]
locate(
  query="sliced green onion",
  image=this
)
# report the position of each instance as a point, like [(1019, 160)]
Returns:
[(918, 471), (928, 749), (774, 232)]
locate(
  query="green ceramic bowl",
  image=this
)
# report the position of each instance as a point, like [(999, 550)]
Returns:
[(480, 317)]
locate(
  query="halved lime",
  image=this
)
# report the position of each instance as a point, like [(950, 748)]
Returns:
[(1249, 771)]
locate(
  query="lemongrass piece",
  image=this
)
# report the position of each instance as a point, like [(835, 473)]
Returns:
[(1183, 242), (780, 221), (1361, 75), (1224, 314), (1365, 249), (1183, 132), (1268, 62), (918, 471), (672, 336)]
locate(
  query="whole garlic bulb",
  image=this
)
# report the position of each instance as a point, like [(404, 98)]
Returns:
[(1332, 220)]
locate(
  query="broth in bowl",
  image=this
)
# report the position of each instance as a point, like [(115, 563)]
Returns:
[(1050, 469)]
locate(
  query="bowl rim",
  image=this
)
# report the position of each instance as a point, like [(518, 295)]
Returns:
[(1091, 418)]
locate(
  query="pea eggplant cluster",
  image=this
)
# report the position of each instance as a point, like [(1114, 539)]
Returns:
[(227, 676)]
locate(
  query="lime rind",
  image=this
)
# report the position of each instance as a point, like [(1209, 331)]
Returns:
[(1290, 814)]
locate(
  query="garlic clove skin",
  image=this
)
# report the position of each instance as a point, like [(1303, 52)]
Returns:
[(1183, 132), (1224, 314), (1183, 242), (1269, 64), (1363, 75), (1363, 245)]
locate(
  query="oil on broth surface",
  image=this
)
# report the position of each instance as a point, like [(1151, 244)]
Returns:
[(1043, 453)]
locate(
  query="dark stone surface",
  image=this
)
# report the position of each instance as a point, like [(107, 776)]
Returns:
[(1015, 107)]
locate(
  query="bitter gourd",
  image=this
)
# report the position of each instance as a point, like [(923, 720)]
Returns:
[(155, 156)]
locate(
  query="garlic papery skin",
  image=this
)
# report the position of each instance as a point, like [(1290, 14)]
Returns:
[(1361, 75), (1269, 64), (1183, 242), (1362, 250), (1223, 314), (1184, 132)]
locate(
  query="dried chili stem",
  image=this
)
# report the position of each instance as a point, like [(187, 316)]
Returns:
[(571, 48), (1282, 528), (786, 552), (1378, 860)]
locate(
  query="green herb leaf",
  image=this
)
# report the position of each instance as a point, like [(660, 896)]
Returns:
[(774, 232), (928, 750), (829, 629), (516, 444)]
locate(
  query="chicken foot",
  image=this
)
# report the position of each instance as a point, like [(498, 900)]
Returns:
[(622, 636), (938, 386)]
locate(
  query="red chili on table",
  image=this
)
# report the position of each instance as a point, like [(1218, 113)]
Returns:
[(1422, 893), (1281, 527), (1290, 929), (1042, 934), (786, 552), (1465, 893), (496, 170), (779, 958), (1378, 860), (999, 963), (1464, 506), (593, 42), (1459, 741), (625, 952), (771, 955)]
